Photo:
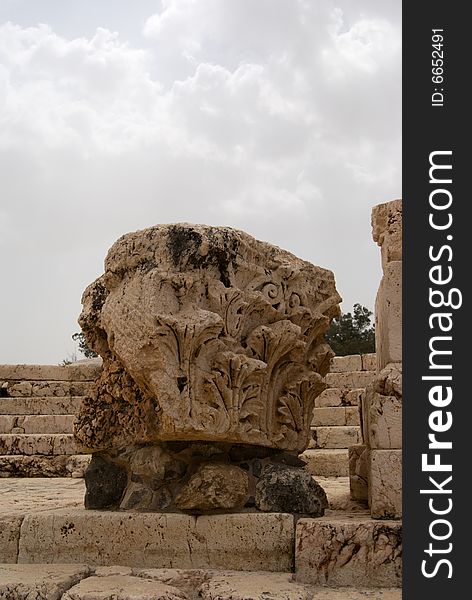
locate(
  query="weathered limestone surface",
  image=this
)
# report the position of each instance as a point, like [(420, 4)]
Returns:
[(206, 334), (327, 463), (47, 405), (383, 420), (385, 484), (336, 416), (19, 465), (87, 370), (36, 423), (47, 444), (249, 542), (9, 536), (359, 465), (39, 582), (356, 552), (387, 227), (349, 379), (122, 587), (388, 316), (59, 582), (335, 437), (332, 397)]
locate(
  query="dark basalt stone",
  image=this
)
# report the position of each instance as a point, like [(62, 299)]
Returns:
[(105, 483), (282, 488)]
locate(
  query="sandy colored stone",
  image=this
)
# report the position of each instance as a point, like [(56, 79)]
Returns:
[(122, 587), (353, 416), (21, 496), (215, 486), (387, 229), (254, 586), (187, 580), (40, 405), (47, 388), (358, 552), (329, 416), (328, 463), (9, 536), (385, 484), (36, 423), (335, 437), (87, 370), (369, 362), (39, 582), (191, 322), (37, 443), (353, 397), (349, 380), (383, 420), (388, 316), (359, 465), (341, 364), (329, 397), (248, 541), (18, 465)]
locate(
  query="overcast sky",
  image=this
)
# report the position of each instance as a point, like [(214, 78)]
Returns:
[(279, 117)]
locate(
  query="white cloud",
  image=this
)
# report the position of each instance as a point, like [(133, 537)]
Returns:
[(280, 118)]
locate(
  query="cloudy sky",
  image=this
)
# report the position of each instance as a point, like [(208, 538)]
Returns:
[(279, 117)]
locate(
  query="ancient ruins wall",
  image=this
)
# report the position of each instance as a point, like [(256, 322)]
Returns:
[(376, 465)]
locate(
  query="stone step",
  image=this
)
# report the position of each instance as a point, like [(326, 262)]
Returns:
[(349, 379), (335, 437), (353, 362), (49, 444), (247, 541), (327, 463), (331, 416), (84, 582), (82, 371), (36, 465), (37, 423), (332, 397), (41, 405), (26, 389), (349, 550)]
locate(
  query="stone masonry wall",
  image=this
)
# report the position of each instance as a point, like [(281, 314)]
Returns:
[(336, 417)]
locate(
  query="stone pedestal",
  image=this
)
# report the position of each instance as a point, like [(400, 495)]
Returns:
[(213, 348)]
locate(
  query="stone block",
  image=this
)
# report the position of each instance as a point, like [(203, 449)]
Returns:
[(329, 416), (369, 362), (383, 420), (385, 484), (353, 416), (326, 463), (46, 444), (9, 537), (253, 586), (329, 397), (388, 316), (122, 587), (341, 364), (353, 397), (387, 230), (335, 437), (17, 465), (359, 465), (39, 582), (86, 371), (251, 541), (349, 380), (47, 405), (349, 551)]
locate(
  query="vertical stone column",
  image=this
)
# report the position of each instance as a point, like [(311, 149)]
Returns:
[(376, 466)]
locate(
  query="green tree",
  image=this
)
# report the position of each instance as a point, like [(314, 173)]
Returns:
[(86, 351), (352, 333)]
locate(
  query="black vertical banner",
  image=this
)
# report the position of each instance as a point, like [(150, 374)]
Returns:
[(437, 418)]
